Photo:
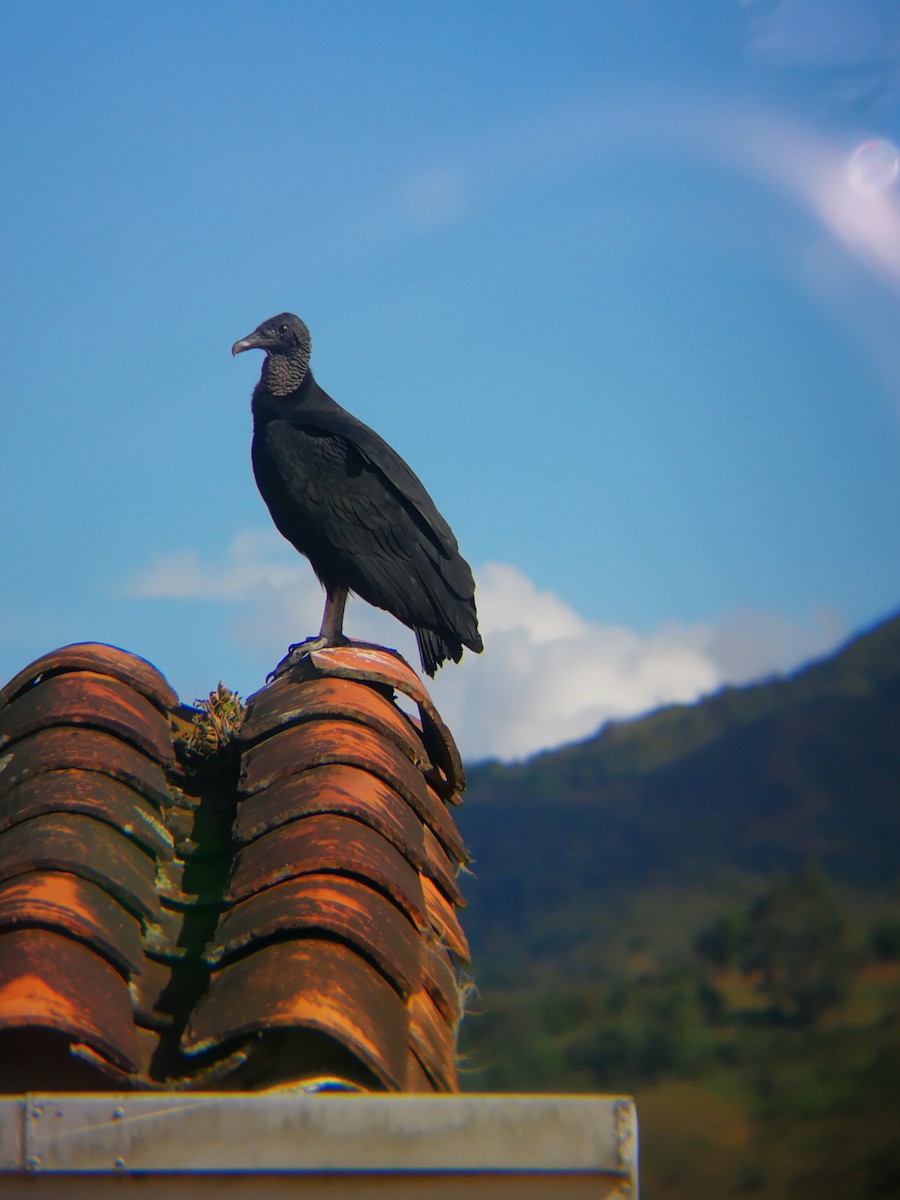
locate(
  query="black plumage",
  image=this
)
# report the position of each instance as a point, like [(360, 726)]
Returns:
[(346, 500)]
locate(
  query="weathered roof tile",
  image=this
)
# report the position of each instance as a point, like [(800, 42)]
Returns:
[(94, 794), (307, 983), (328, 843), (376, 665), (277, 904), (58, 900), (441, 983), (444, 921), (434, 1041), (286, 702), (336, 741), (81, 846), (51, 981), (140, 675), (331, 905), (92, 700), (334, 788), (64, 748)]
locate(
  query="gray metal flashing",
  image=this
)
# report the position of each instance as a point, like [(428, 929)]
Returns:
[(290, 1131)]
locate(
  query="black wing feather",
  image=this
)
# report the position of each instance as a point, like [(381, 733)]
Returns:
[(344, 498)]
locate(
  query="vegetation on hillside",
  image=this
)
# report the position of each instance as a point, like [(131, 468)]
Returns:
[(700, 908)]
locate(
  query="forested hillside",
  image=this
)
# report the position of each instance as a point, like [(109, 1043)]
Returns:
[(700, 907)]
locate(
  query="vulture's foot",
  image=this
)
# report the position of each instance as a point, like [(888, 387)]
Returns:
[(300, 650)]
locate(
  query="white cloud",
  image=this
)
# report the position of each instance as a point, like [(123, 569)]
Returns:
[(543, 617), (812, 170), (746, 644), (817, 173), (253, 562), (823, 177), (548, 675)]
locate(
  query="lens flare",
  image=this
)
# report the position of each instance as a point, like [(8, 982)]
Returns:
[(873, 166)]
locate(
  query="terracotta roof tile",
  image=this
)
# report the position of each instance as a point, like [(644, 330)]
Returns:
[(140, 675), (285, 703), (90, 849), (333, 788), (68, 904), (150, 997), (441, 982), (328, 843), (376, 665), (337, 741), (433, 1041), (88, 699), (184, 902), (440, 868), (95, 795), (311, 984), (51, 981), (63, 748), (343, 907), (444, 921)]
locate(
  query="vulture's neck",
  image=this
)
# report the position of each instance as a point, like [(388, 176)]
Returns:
[(282, 376)]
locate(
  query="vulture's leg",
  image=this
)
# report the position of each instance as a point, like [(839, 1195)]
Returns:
[(331, 633)]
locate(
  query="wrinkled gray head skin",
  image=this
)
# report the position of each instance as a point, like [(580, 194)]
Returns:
[(288, 346)]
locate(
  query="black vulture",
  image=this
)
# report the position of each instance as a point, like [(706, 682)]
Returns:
[(346, 500)]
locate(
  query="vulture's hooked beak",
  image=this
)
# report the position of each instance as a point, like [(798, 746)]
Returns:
[(253, 341)]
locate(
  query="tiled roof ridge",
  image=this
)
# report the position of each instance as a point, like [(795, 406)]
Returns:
[(228, 897)]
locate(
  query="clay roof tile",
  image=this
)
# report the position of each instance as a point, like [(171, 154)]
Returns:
[(184, 903)]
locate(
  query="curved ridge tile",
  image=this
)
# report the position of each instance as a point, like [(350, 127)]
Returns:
[(65, 902), (417, 1078), (87, 848), (444, 921), (84, 698), (129, 668), (375, 664), (315, 904), (319, 985), (148, 996), (288, 702), (334, 788), (442, 984), (336, 741), (51, 981), (60, 748), (354, 792), (441, 869), (93, 794), (434, 1041), (328, 844)]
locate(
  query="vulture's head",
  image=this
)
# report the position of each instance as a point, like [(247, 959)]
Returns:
[(284, 335), (287, 344)]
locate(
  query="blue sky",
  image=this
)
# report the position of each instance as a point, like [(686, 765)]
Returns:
[(608, 275)]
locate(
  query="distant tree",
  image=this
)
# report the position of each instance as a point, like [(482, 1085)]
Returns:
[(885, 940), (723, 942), (796, 949)]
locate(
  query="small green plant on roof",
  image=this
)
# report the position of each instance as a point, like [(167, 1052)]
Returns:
[(216, 722)]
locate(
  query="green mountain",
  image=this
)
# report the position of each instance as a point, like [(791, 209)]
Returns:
[(701, 908), (741, 783)]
